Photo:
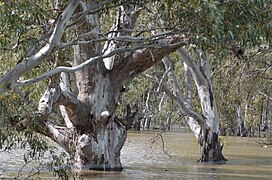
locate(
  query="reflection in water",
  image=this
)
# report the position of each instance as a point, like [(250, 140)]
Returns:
[(142, 159)]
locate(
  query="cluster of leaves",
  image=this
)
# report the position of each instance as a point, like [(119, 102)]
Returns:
[(18, 126), (21, 24), (37, 154), (215, 25)]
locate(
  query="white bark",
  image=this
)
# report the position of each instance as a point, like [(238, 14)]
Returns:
[(100, 152), (65, 87), (209, 134), (125, 20), (8, 81), (186, 108), (162, 101), (193, 124), (201, 76), (60, 95), (205, 125), (47, 100), (172, 79), (196, 73), (184, 101)]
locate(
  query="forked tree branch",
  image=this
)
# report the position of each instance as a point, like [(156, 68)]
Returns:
[(195, 70), (7, 82), (73, 110), (89, 62), (125, 19)]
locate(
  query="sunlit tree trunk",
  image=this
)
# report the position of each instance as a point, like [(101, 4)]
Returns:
[(210, 148), (204, 125), (93, 136)]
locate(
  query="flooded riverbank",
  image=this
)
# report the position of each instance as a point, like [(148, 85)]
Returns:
[(143, 158)]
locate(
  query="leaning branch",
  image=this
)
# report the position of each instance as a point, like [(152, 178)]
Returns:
[(126, 39), (89, 62), (171, 75), (266, 95), (141, 60), (60, 135), (184, 105), (7, 82), (196, 73)]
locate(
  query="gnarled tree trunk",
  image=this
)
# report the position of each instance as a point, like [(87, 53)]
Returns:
[(93, 136)]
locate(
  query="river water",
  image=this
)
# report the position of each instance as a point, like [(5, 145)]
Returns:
[(143, 157)]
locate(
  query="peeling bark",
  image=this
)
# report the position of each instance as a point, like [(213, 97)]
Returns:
[(93, 136), (100, 151)]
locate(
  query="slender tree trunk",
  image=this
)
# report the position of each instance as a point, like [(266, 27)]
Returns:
[(147, 122), (268, 114), (168, 122), (210, 148)]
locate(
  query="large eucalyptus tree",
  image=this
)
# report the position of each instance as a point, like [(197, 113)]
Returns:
[(102, 62), (93, 48)]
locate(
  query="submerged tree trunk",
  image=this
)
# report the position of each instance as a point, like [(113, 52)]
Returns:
[(93, 137), (204, 125), (102, 151), (210, 148)]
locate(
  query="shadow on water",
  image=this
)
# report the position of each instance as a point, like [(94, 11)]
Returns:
[(143, 158)]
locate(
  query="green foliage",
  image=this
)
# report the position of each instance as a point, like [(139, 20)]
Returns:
[(21, 23), (38, 153), (216, 24)]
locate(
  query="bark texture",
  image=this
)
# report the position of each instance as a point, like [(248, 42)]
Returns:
[(210, 149), (93, 136), (204, 125)]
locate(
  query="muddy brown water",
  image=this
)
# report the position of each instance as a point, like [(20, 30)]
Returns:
[(143, 158)]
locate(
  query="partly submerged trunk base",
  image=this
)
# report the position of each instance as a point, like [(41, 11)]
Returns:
[(102, 150), (210, 148)]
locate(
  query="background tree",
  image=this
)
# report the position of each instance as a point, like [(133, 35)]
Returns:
[(242, 104)]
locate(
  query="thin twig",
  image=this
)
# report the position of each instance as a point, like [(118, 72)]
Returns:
[(155, 139)]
